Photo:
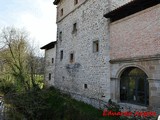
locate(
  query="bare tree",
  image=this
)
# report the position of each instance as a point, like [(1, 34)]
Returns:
[(18, 56)]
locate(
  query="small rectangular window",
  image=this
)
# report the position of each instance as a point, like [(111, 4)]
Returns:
[(60, 36), (52, 60), (61, 12), (74, 27), (75, 2), (85, 86), (61, 55), (71, 57), (96, 46), (63, 77), (49, 76)]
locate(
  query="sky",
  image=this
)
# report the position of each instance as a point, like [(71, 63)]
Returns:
[(38, 17)]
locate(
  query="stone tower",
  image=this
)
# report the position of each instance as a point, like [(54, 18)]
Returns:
[(82, 54)]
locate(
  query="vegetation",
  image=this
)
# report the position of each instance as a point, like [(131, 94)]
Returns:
[(21, 80), (20, 68), (50, 104)]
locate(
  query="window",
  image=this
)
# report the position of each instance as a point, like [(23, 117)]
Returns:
[(60, 36), (61, 12), (52, 60), (61, 55), (74, 27), (85, 86), (49, 76), (63, 77), (75, 2), (96, 46), (71, 57)]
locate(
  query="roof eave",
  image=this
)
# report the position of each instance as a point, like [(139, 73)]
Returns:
[(130, 8), (49, 45), (56, 2)]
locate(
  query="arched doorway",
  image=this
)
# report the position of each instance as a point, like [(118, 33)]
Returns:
[(134, 87)]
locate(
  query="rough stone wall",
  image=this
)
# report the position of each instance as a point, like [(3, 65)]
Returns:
[(117, 3), (136, 35), (49, 66), (89, 68), (68, 6)]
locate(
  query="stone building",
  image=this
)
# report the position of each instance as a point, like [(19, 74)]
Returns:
[(50, 55), (135, 53), (82, 63), (82, 54), (118, 58)]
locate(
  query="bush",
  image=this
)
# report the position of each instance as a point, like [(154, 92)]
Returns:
[(51, 104), (6, 86)]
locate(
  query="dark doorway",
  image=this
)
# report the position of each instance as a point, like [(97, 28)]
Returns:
[(134, 87)]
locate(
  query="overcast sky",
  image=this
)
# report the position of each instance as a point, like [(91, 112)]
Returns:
[(38, 17)]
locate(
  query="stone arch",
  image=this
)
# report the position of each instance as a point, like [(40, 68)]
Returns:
[(124, 67), (134, 86)]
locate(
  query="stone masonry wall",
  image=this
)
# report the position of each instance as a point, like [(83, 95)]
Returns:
[(67, 6), (136, 35), (117, 3), (88, 67), (49, 66)]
